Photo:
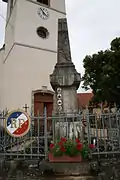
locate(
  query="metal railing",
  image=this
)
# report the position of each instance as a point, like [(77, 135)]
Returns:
[(103, 130), (33, 145)]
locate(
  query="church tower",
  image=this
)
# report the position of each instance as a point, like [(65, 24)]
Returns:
[(30, 53)]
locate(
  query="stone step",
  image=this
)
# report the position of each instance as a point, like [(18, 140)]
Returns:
[(76, 178)]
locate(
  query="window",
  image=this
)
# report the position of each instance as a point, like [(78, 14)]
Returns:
[(42, 32), (46, 2), (5, 0)]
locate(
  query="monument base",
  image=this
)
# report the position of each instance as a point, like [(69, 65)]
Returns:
[(71, 169)]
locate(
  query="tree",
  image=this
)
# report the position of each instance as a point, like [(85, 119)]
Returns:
[(102, 74)]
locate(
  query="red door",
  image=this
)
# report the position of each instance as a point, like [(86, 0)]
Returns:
[(38, 108), (49, 108), (42, 101)]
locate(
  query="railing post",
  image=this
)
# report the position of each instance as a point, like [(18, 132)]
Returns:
[(88, 126), (53, 128), (45, 132), (38, 131)]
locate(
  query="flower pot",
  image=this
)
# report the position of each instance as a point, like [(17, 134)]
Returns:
[(64, 158)]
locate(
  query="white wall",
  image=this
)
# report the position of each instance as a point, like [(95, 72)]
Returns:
[(10, 31), (25, 70), (27, 67), (22, 24), (1, 72), (27, 22), (59, 5)]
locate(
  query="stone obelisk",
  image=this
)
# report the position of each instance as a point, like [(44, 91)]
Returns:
[(65, 80)]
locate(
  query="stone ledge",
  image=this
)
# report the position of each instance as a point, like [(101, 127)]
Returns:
[(73, 169), (76, 178)]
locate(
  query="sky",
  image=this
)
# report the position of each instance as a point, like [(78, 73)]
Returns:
[(93, 24)]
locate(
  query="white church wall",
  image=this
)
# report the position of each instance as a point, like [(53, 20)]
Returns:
[(59, 5), (25, 70), (2, 51), (29, 60), (1, 72), (10, 31), (27, 23)]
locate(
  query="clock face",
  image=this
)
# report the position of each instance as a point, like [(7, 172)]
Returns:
[(43, 13)]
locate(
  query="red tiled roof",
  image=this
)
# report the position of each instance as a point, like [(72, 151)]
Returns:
[(84, 98)]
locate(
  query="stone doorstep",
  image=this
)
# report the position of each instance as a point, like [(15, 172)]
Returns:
[(71, 174), (76, 178)]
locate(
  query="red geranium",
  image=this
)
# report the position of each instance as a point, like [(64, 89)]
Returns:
[(52, 146), (79, 146), (91, 146), (60, 143), (77, 140), (63, 139), (70, 147), (63, 149)]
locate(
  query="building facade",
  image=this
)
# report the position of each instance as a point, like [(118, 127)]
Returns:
[(29, 54)]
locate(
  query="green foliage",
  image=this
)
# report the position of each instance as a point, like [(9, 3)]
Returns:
[(71, 149), (115, 44), (102, 74), (85, 151)]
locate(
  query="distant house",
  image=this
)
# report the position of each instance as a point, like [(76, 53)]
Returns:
[(84, 99)]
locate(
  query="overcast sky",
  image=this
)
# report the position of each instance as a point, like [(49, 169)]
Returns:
[(92, 26)]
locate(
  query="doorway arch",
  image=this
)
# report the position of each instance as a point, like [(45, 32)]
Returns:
[(40, 100)]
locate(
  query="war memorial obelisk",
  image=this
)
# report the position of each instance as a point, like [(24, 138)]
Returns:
[(65, 80)]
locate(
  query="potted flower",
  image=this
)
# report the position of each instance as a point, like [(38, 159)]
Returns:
[(67, 150)]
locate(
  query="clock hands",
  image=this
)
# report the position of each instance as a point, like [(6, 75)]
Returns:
[(44, 12)]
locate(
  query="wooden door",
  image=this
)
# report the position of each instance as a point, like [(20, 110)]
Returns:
[(49, 108), (38, 108), (41, 101)]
